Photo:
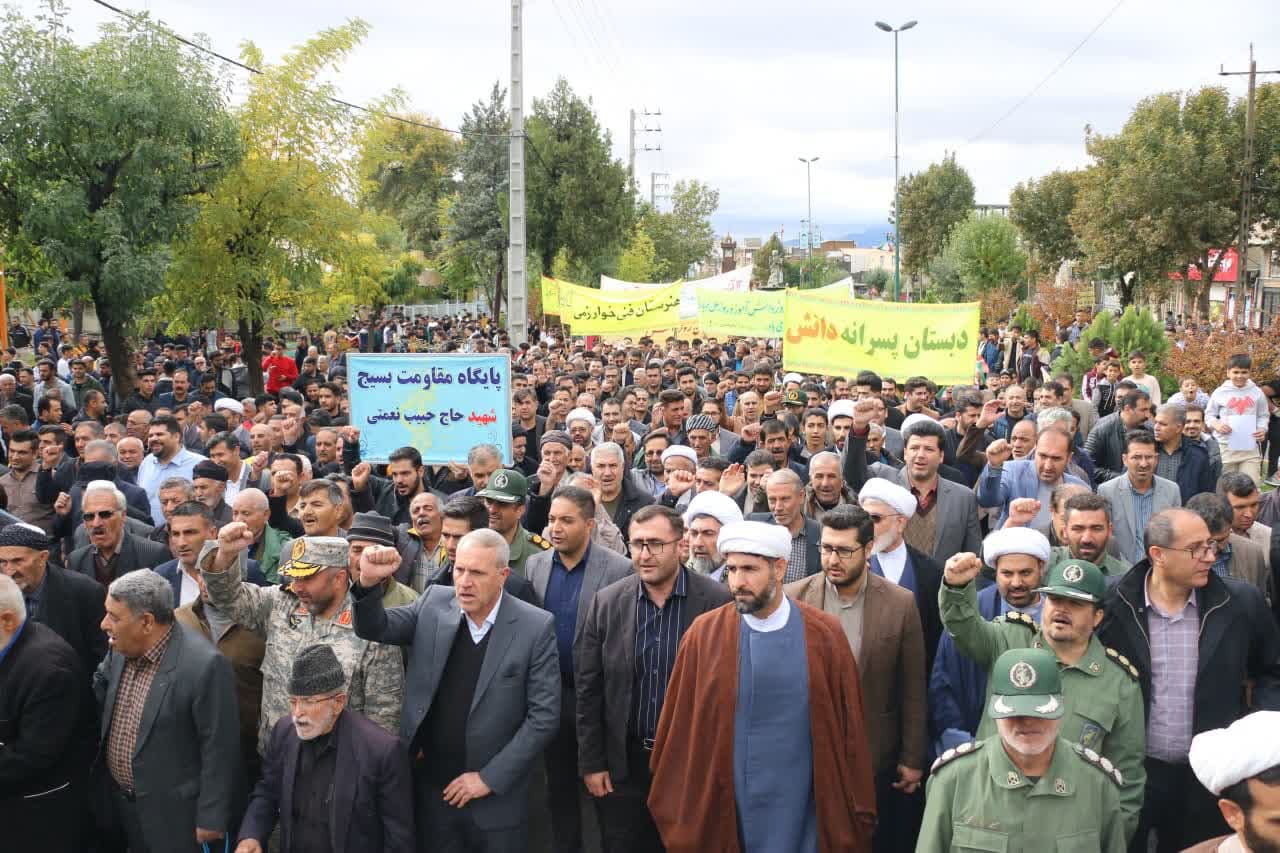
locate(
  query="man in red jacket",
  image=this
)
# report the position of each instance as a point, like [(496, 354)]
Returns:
[(279, 370)]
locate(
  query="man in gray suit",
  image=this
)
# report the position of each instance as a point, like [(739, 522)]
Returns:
[(1137, 494), (170, 735), (483, 693), (565, 579)]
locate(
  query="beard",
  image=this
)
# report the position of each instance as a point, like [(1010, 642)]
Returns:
[(755, 603), (1255, 841), (702, 565), (316, 725), (883, 543)]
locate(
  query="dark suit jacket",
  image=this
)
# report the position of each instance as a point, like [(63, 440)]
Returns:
[(812, 539), (928, 578), (604, 667), (73, 606), (173, 574), (135, 553), (603, 568), (186, 763), (891, 669), (372, 805), (517, 585), (513, 716)]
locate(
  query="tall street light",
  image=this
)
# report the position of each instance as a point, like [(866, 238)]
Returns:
[(808, 163), (897, 213)]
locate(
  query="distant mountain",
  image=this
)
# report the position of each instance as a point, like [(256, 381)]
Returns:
[(863, 234)]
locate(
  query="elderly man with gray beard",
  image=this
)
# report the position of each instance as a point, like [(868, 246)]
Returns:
[(707, 513)]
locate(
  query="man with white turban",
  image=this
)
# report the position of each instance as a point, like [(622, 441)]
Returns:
[(708, 512), (793, 771), (1240, 765)]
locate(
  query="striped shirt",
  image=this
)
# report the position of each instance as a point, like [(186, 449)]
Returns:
[(1175, 656), (658, 631)]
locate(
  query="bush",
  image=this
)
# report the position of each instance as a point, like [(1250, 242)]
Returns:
[(1205, 356), (1024, 320), (1135, 330)]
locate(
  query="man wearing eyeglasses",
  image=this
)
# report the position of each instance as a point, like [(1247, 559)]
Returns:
[(1196, 639), (882, 625), (112, 550)]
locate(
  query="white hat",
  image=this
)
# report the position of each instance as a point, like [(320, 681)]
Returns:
[(718, 505), (793, 377), (914, 419), (1015, 540), (755, 537), (840, 409), (684, 451), (580, 414), (890, 494), (1222, 757), (226, 403)]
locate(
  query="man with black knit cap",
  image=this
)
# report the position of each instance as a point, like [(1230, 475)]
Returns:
[(349, 788), (209, 479)]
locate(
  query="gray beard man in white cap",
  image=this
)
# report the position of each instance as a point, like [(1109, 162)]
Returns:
[(708, 512)]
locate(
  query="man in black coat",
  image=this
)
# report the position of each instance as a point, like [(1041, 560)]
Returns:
[(67, 602), (334, 778), (112, 550), (47, 736)]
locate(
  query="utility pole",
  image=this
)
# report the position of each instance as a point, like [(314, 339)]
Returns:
[(897, 124), (631, 140), (517, 283), (1246, 184), (808, 180)]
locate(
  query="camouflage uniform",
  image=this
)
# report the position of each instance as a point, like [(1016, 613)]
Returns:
[(375, 671)]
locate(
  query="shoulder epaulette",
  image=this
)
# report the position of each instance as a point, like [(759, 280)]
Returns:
[(1101, 762), (1122, 662), (1014, 617), (539, 541), (952, 754)]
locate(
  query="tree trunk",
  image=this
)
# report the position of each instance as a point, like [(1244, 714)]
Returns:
[(77, 317), (495, 304), (1126, 291), (116, 342), (250, 332)]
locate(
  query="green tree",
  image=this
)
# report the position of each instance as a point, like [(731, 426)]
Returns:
[(945, 282), (987, 254), (637, 261), (477, 231), (1135, 330), (684, 235), (406, 170), (1266, 162), (932, 203), (103, 149), (877, 277), (1162, 193), (762, 266), (280, 234), (1041, 210), (578, 198)]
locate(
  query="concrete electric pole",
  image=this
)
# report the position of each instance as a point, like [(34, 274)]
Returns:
[(517, 283)]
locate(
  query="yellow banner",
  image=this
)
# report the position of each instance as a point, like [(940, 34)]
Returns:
[(833, 338), (550, 295), (588, 311), (754, 313)]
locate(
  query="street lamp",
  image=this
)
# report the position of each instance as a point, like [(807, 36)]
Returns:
[(897, 213), (808, 163)]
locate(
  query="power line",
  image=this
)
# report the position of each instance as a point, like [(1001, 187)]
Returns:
[(165, 31), (1050, 75)]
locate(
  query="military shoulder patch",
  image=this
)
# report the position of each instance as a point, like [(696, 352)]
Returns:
[(1101, 762), (952, 754), (1123, 662), (539, 541), (1013, 617)]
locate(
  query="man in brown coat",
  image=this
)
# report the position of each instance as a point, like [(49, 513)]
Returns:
[(882, 626), (793, 769)]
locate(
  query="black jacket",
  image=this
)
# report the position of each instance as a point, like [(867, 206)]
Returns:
[(73, 606), (928, 578), (1105, 446), (1195, 474), (631, 499), (372, 803), (135, 553), (1239, 643)]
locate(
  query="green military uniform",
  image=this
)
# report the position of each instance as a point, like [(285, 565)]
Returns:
[(375, 671), (1104, 709), (508, 487), (1111, 566), (978, 799)]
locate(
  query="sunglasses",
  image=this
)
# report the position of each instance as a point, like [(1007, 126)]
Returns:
[(876, 518), (101, 515)]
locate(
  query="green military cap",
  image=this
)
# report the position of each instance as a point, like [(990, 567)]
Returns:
[(795, 397), (505, 486), (1026, 683), (1078, 579), (310, 554)]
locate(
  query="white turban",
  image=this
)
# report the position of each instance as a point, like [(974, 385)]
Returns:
[(793, 377), (580, 414), (890, 494), (718, 505), (1222, 757), (1015, 540), (914, 419), (840, 409), (684, 451), (226, 403), (755, 537)]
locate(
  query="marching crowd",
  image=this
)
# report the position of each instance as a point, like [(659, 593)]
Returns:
[(707, 604)]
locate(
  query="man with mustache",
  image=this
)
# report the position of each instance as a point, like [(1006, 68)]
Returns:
[(1138, 494), (1102, 698), (347, 773), (1088, 531), (1028, 787)]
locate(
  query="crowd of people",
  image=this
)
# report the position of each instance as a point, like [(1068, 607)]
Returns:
[(705, 604)]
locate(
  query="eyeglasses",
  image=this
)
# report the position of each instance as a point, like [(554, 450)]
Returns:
[(656, 547), (311, 701), (877, 517), (101, 515), (1204, 549), (842, 553)]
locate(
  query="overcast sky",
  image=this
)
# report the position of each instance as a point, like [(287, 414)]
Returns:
[(746, 87)]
